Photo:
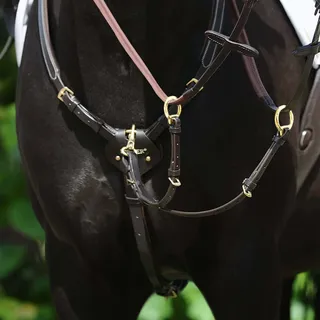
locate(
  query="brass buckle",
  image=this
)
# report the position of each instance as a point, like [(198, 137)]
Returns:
[(247, 193), (280, 127), (195, 81), (170, 117), (175, 182), (63, 91), (131, 143)]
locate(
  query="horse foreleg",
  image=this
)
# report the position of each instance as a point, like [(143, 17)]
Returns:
[(81, 293), (244, 283), (286, 299)]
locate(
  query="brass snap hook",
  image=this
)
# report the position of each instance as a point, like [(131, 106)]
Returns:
[(281, 128), (170, 117), (131, 143)]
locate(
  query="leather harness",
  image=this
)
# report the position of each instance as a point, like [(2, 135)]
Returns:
[(134, 151)]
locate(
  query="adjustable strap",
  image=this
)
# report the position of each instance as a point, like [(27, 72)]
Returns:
[(142, 236), (252, 70), (216, 24), (205, 72), (161, 286), (248, 186), (134, 175), (253, 73), (64, 93), (228, 47)]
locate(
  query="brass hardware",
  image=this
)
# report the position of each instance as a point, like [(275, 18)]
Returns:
[(280, 127), (246, 192), (148, 158), (171, 294), (131, 142), (195, 81), (118, 158), (63, 91), (175, 182), (166, 109)]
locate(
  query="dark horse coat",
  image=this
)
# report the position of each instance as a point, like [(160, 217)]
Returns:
[(78, 197)]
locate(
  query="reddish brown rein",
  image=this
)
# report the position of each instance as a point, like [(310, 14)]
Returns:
[(137, 60), (128, 47)]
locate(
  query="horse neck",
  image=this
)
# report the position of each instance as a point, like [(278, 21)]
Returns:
[(167, 34)]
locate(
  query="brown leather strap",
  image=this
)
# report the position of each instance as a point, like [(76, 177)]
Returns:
[(254, 76), (252, 69), (161, 285), (249, 184), (128, 47), (134, 176), (142, 236), (221, 57), (204, 77)]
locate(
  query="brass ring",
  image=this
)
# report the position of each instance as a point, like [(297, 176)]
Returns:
[(280, 127), (166, 109)]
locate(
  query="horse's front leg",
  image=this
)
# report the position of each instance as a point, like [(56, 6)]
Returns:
[(242, 279)]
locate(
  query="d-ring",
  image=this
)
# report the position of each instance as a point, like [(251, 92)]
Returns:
[(280, 127), (166, 109)]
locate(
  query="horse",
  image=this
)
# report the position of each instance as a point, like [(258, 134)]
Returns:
[(96, 265)]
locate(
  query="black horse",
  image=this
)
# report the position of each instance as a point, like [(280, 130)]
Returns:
[(78, 196)]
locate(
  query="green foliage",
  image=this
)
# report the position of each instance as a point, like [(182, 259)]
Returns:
[(11, 258), (22, 218), (189, 305)]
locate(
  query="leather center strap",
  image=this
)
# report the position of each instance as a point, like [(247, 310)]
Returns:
[(134, 177)]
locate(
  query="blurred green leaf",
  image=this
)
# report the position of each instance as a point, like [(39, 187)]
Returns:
[(11, 258), (156, 308), (8, 129), (46, 312), (13, 309), (40, 286), (22, 218), (197, 305)]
